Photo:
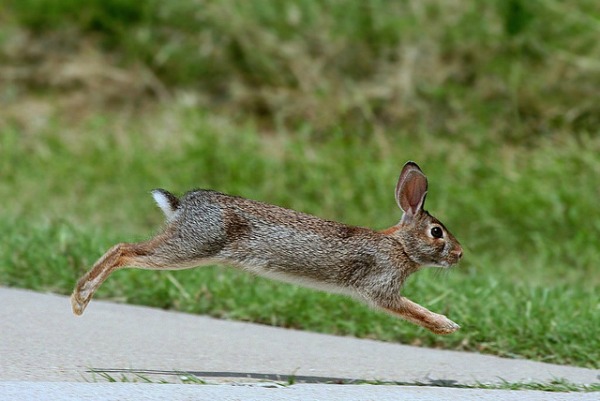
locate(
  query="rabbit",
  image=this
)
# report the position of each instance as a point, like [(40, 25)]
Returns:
[(208, 227)]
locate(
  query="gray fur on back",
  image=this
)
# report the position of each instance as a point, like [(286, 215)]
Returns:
[(276, 242)]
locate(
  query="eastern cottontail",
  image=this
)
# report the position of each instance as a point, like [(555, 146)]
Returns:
[(205, 227)]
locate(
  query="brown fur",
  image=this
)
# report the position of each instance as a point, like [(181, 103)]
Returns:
[(210, 227), (390, 231)]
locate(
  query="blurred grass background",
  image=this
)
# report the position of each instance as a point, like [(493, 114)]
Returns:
[(315, 105)]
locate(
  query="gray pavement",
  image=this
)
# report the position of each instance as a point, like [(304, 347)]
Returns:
[(299, 392), (42, 342)]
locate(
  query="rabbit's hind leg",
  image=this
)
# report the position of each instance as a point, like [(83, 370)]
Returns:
[(156, 254), (115, 258)]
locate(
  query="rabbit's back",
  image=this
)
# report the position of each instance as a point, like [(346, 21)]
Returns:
[(274, 241)]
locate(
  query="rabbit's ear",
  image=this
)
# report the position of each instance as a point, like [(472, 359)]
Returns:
[(411, 190)]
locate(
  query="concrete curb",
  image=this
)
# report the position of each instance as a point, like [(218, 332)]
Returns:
[(47, 353), (42, 391)]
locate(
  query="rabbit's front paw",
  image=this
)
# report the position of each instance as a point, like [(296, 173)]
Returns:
[(443, 325)]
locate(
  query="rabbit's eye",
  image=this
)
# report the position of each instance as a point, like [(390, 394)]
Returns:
[(436, 232)]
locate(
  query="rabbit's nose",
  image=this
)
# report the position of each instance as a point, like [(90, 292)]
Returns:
[(458, 252)]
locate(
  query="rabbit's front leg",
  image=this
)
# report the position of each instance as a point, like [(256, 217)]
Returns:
[(415, 313)]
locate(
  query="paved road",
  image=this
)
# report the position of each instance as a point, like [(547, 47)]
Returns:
[(40, 391), (41, 341)]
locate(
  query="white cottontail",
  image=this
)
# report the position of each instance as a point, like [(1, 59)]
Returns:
[(205, 227)]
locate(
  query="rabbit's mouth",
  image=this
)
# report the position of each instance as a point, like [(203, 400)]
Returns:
[(452, 260), (446, 264)]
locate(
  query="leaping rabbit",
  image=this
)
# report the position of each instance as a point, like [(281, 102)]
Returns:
[(207, 227)]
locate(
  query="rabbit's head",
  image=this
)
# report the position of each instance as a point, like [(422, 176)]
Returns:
[(425, 239)]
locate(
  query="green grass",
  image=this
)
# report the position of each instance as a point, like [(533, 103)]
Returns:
[(521, 69), (527, 216), (315, 106)]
